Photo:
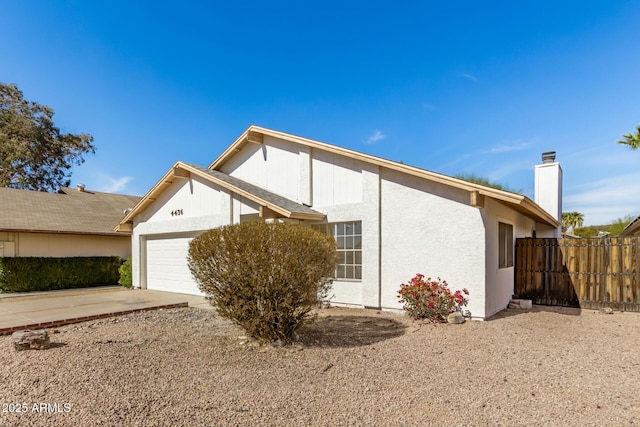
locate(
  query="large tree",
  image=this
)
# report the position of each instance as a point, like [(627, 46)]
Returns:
[(34, 153), (631, 139)]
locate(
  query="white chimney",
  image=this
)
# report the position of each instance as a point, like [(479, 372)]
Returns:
[(548, 185)]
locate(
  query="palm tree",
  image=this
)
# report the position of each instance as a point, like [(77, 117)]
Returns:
[(631, 139), (572, 219), (567, 220), (579, 220)]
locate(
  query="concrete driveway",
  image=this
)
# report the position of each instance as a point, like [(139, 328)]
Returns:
[(40, 310)]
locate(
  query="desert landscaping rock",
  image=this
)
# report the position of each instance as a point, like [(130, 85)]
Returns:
[(456, 318), (30, 340), (186, 367)]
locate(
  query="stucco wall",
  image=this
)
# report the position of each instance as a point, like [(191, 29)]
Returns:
[(548, 189), (409, 225), (430, 229), (68, 245), (347, 190), (332, 184), (500, 281)]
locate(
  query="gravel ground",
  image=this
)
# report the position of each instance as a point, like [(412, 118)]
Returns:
[(186, 367)]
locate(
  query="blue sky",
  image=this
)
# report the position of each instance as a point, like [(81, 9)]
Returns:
[(453, 87)]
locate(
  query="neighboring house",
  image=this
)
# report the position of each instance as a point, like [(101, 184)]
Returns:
[(390, 220), (633, 229), (70, 223)]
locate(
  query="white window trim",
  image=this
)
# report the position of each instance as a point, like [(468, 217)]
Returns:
[(353, 250)]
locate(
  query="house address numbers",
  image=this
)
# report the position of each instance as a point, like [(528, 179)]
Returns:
[(177, 212)]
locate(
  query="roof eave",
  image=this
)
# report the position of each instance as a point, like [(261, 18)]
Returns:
[(73, 232), (243, 139), (233, 148), (307, 217), (147, 199), (529, 208), (524, 204), (177, 172), (273, 207), (631, 229)]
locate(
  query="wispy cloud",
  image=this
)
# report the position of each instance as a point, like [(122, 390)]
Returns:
[(517, 145), (453, 163), (604, 200), (505, 170), (377, 136), (480, 158), (113, 185), (469, 76)]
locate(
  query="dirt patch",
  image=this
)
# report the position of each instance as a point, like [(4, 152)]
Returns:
[(339, 327)]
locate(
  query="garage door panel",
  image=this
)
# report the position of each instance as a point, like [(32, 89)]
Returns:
[(167, 268)]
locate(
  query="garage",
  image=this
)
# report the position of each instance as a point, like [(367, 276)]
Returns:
[(187, 201), (167, 268)]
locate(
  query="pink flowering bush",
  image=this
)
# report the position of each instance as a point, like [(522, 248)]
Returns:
[(431, 299)]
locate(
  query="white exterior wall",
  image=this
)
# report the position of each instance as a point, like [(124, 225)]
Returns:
[(500, 281), (548, 191), (63, 245), (410, 225), (338, 180), (332, 184), (546, 231), (430, 229), (203, 206), (347, 190), (275, 165)]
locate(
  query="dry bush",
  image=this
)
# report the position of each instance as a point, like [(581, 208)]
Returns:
[(265, 277)]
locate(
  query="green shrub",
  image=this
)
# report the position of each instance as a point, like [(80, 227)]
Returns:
[(126, 278), (265, 277), (26, 274)]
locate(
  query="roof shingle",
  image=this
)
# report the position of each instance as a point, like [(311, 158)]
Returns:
[(268, 196), (68, 211)]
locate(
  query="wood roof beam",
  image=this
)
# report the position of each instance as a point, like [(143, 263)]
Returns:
[(181, 173), (477, 199), (126, 227), (255, 137)]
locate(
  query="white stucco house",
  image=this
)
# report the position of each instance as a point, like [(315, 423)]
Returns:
[(390, 220)]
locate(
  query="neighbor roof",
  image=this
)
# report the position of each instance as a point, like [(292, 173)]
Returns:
[(68, 211), (524, 205), (631, 229)]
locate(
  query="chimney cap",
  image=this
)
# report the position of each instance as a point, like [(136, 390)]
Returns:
[(548, 157), (80, 187)]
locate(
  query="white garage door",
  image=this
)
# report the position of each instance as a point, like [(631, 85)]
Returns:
[(167, 268)]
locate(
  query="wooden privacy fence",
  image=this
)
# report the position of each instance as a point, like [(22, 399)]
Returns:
[(587, 273)]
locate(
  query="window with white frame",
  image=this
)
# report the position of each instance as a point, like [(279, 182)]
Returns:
[(348, 237), (505, 245)]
